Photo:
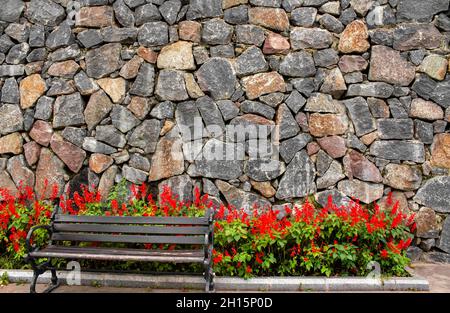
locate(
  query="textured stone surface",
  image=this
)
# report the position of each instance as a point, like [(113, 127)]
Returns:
[(388, 66), (402, 177), (347, 98), (433, 194)]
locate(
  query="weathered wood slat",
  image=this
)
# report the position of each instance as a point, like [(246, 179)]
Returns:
[(131, 220), (105, 254), (85, 237), (130, 229)]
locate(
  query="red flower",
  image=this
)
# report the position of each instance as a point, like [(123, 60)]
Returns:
[(248, 269), (384, 254)]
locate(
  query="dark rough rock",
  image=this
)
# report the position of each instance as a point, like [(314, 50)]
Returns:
[(434, 193), (421, 11), (216, 77), (390, 128), (399, 150), (45, 12), (291, 146), (416, 36), (110, 135), (298, 179), (287, 126), (145, 136), (444, 240), (103, 61), (202, 9), (170, 86), (298, 64), (370, 89), (264, 169), (68, 111), (153, 34), (360, 115)]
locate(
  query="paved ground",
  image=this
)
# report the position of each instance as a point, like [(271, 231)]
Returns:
[(438, 276)]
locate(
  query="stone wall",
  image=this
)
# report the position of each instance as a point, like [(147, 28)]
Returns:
[(356, 94)]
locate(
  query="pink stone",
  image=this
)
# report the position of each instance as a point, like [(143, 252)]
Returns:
[(333, 145), (276, 43), (42, 132), (70, 154)]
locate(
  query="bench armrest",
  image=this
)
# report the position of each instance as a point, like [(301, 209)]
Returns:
[(28, 245)]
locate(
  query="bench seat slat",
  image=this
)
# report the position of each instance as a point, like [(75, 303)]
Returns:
[(131, 219), (130, 229), (86, 237), (118, 254)]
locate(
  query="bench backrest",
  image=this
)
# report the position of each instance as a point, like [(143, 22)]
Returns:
[(130, 229)]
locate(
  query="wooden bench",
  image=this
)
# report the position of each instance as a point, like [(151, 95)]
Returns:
[(184, 231)]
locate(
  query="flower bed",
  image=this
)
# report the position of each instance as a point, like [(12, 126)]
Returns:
[(307, 240)]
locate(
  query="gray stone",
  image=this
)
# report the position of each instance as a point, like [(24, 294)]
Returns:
[(60, 37), (11, 118), (258, 108), (287, 126), (305, 38), (67, 53), (74, 135), (204, 8), (181, 186), (6, 43), (360, 115), (17, 53), (92, 145), (326, 57), (251, 61), (347, 16), (45, 12), (370, 89), (144, 83), (216, 32), (421, 11), (103, 61), (169, 10), (365, 192), (117, 34), (68, 111), (90, 38), (222, 51), (337, 197), (423, 131), (427, 244), (381, 36), (295, 101), (85, 85), (323, 162), (249, 34), (139, 162), (289, 147), (266, 3), (390, 128), (434, 194), (146, 135), (147, 13), (303, 17), (153, 34), (298, 64), (97, 108), (441, 94), (378, 108), (443, 22), (60, 87), (298, 179), (186, 116), (123, 14), (123, 119), (28, 119), (414, 253), (264, 169), (134, 3), (331, 23), (110, 135), (170, 86), (163, 110), (11, 10), (216, 76), (289, 5), (354, 143), (416, 36), (134, 175), (228, 109), (238, 198), (331, 176), (44, 108), (305, 86), (444, 240), (211, 116), (219, 160), (399, 150), (10, 91), (236, 15), (39, 54)]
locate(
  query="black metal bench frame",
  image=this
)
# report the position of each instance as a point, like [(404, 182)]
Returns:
[(122, 229)]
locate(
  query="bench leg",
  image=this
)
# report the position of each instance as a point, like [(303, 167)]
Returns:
[(38, 270), (209, 277)]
